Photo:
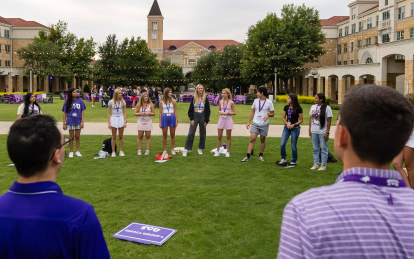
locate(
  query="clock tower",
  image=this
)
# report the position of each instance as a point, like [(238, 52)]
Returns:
[(155, 29)]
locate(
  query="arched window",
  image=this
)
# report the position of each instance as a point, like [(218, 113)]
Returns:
[(172, 47), (212, 47), (368, 61)]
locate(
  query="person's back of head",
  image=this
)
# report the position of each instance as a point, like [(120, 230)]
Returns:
[(379, 120), (31, 143)]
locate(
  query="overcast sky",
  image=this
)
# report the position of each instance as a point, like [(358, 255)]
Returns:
[(183, 19)]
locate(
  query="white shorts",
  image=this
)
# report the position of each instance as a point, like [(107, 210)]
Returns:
[(117, 122), (410, 142)]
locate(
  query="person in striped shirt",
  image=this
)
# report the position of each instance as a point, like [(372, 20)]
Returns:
[(369, 211)]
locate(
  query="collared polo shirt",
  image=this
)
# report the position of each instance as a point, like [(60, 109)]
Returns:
[(350, 220), (38, 221)]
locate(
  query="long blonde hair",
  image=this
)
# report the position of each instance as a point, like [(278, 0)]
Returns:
[(165, 95), (141, 100), (228, 92), (196, 97), (115, 98)]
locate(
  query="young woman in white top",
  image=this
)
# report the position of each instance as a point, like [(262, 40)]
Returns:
[(94, 91), (168, 118), (28, 107), (117, 120), (144, 109), (227, 109)]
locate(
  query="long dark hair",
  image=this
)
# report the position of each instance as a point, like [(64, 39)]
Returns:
[(27, 104), (322, 115), (295, 102), (70, 99)]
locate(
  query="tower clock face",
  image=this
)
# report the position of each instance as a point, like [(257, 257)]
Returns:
[(154, 36)]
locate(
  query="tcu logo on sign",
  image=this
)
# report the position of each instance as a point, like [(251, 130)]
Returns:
[(154, 229)]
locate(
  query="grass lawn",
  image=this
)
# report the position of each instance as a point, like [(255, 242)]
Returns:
[(98, 114), (222, 208)]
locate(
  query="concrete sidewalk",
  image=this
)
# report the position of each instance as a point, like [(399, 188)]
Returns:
[(101, 128)]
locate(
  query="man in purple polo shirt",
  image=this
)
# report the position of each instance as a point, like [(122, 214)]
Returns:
[(36, 219), (369, 211)]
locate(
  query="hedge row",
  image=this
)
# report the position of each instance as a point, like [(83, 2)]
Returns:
[(302, 99)]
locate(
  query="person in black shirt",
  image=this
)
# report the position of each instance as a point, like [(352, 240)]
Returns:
[(292, 117)]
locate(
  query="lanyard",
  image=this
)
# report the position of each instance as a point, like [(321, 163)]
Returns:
[(290, 111), (225, 107), (117, 107), (144, 109), (199, 105), (168, 107), (32, 109), (316, 113), (261, 108)]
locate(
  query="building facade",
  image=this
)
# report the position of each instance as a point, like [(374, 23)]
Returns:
[(374, 44), (185, 53)]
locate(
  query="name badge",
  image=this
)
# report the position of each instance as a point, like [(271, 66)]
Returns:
[(143, 118), (316, 122), (289, 123), (168, 114), (200, 111), (74, 114), (223, 116)]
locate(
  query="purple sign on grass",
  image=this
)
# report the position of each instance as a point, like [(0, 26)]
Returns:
[(145, 234)]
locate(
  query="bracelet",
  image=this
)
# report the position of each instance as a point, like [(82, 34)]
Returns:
[(327, 133), (125, 121)]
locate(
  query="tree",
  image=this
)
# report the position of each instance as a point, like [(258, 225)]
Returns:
[(204, 70), (171, 74), (285, 43)]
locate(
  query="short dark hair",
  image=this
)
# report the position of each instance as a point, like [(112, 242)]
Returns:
[(380, 121), (263, 90), (30, 143)]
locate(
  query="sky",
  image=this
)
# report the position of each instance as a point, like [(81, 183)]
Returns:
[(183, 19)]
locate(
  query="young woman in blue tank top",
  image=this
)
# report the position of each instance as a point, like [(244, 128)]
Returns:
[(168, 118)]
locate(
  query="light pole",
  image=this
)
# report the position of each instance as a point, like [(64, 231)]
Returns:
[(31, 78), (275, 84)]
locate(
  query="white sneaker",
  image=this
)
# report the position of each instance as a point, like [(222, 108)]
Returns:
[(78, 154), (282, 161), (314, 167), (113, 154), (173, 152), (185, 152), (261, 158), (216, 153), (147, 152), (121, 153), (227, 154), (70, 154), (139, 152), (200, 152), (322, 168)]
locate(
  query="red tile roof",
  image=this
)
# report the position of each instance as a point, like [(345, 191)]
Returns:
[(370, 9), (334, 20), (18, 22), (219, 44)]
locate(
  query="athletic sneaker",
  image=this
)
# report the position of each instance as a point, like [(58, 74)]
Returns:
[(246, 159), (113, 154), (185, 152), (216, 153), (70, 154), (261, 158), (292, 163), (282, 162), (121, 153), (322, 168), (147, 152), (200, 151), (227, 154), (78, 154), (314, 167), (139, 153), (172, 152)]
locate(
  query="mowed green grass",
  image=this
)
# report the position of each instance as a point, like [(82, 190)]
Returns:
[(222, 208), (99, 114)]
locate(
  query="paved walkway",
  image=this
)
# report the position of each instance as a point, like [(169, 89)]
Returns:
[(101, 128)]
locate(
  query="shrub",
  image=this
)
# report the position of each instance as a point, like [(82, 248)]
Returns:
[(302, 99), (335, 106)]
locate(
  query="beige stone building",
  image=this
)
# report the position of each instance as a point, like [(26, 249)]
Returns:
[(185, 53), (16, 33), (374, 44)]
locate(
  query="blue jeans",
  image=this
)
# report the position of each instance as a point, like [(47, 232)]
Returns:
[(294, 133), (319, 142)]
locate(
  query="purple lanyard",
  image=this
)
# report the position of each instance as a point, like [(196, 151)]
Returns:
[(168, 107), (117, 107), (379, 181), (32, 109), (144, 109), (261, 108), (290, 111), (199, 105), (316, 113), (225, 107)]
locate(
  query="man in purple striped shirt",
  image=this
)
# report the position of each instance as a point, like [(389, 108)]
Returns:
[(369, 211)]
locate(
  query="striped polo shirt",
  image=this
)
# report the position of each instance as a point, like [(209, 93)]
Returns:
[(350, 219)]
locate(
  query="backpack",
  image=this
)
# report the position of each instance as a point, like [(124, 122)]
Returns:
[(106, 145)]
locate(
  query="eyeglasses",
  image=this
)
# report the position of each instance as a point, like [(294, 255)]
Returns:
[(66, 141)]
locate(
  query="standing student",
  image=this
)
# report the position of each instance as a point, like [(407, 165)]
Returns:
[(292, 117), (144, 109), (28, 107), (319, 126), (227, 109), (168, 118), (134, 97), (73, 118), (117, 120), (111, 91), (93, 95), (199, 114), (101, 91), (406, 156), (262, 109)]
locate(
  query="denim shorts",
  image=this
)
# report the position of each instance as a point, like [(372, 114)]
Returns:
[(259, 129)]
